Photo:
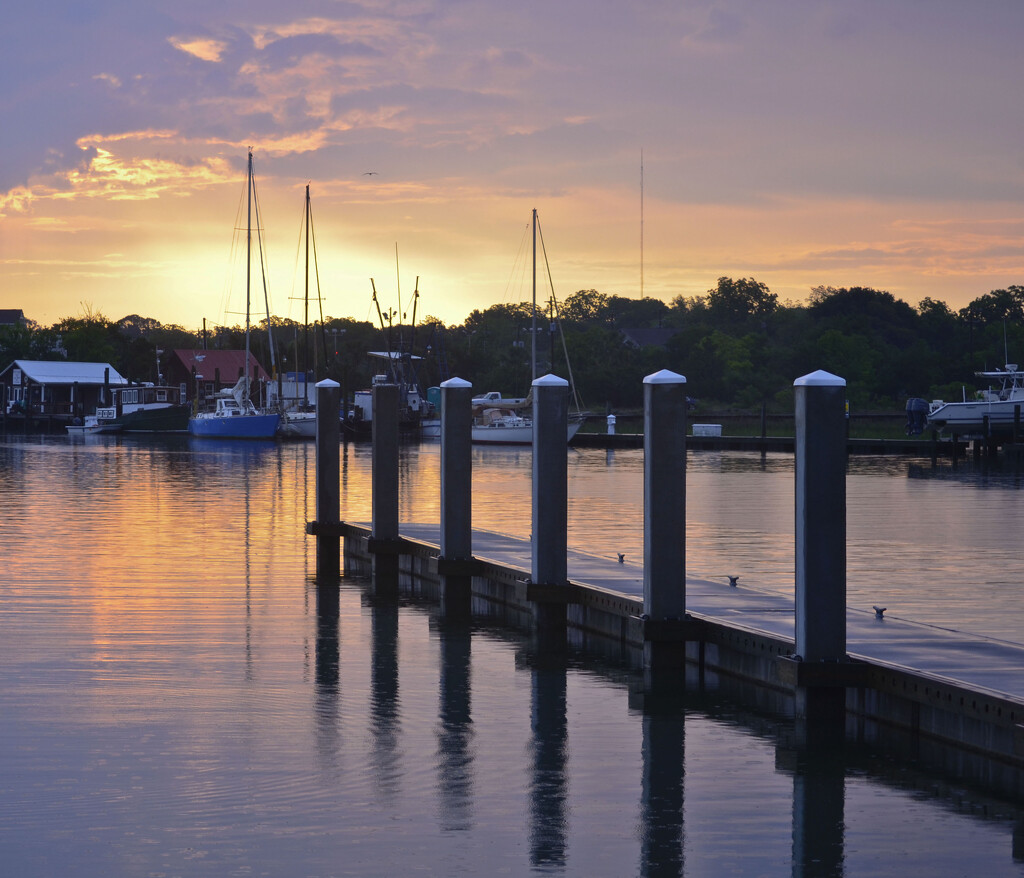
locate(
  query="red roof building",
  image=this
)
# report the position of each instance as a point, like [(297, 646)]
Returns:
[(206, 372)]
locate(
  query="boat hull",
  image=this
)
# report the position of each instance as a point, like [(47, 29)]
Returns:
[(519, 434), (238, 427), (297, 426), (90, 429), (168, 419), (971, 417)]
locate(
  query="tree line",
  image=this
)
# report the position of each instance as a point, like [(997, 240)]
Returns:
[(737, 345)]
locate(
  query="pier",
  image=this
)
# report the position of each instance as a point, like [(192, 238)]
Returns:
[(843, 673)]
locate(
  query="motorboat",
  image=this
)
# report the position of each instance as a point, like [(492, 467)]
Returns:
[(997, 407)]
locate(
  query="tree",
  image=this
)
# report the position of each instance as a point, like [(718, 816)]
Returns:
[(736, 300), (90, 338), (584, 306)]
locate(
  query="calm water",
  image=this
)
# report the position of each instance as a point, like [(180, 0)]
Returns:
[(176, 698)]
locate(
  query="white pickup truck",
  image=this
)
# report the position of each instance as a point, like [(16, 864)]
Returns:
[(493, 399)]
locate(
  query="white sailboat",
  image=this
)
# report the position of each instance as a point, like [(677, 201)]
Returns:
[(234, 416), (298, 416), (497, 424)]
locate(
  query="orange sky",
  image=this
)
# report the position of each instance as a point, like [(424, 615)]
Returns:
[(812, 143)]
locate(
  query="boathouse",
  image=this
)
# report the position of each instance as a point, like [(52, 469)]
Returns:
[(56, 389)]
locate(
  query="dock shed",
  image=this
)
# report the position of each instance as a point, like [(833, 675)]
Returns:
[(56, 389)]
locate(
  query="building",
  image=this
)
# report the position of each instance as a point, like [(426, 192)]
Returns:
[(647, 337), (12, 317), (56, 390), (204, 373)]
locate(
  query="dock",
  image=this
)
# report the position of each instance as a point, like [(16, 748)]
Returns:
[(957, 695), (921, 446), (842, 673)]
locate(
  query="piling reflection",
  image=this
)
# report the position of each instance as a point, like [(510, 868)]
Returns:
[(661, 806), (818, 763), (385, 716), (548, 787), (455, 729), (327, 678)]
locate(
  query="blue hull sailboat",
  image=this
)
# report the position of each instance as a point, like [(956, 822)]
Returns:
[(234, 416), (234, 419)]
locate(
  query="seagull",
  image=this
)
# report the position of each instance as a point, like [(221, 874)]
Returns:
[(732, 579), (879, 611), (370, 173), (622, 557)]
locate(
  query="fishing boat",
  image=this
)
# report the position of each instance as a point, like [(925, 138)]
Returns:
[(150, 408), (138, 408), (998, 407), (413, 408), (234, 416), (398, 366)]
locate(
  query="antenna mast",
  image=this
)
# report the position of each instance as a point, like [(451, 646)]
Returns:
[(641, 223)]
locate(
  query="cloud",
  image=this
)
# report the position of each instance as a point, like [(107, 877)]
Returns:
[(203, 48)]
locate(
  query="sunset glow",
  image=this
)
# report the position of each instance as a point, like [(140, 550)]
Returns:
[(802, 145)]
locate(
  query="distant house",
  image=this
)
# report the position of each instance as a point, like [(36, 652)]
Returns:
[(57, 388), (643, 338), (12, 317), (204, 373)]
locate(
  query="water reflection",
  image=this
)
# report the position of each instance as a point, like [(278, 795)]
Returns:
[(455, 729), (385, 716), (818, 765), (548, 788), (176, 698), (661, 806), (327, 678)]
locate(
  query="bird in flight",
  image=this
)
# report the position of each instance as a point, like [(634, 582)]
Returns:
[(369, 173)]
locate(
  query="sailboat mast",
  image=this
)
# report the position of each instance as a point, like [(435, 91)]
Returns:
[(533, 327), (305, 323), (248, 270), (641, 224)]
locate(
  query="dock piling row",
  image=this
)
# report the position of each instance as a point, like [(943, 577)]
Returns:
[(809, 672)]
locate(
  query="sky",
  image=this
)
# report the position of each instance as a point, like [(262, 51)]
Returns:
[(663, 144)]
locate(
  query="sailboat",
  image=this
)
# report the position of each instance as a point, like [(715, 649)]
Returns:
[(298, 417), (498, 421), (234, 416)]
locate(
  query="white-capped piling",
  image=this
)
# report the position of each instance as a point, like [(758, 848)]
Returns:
[(550, 493), (665, 496), (328, 472), (384, 529), (456, 469), (820, 517), (454, 564)]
